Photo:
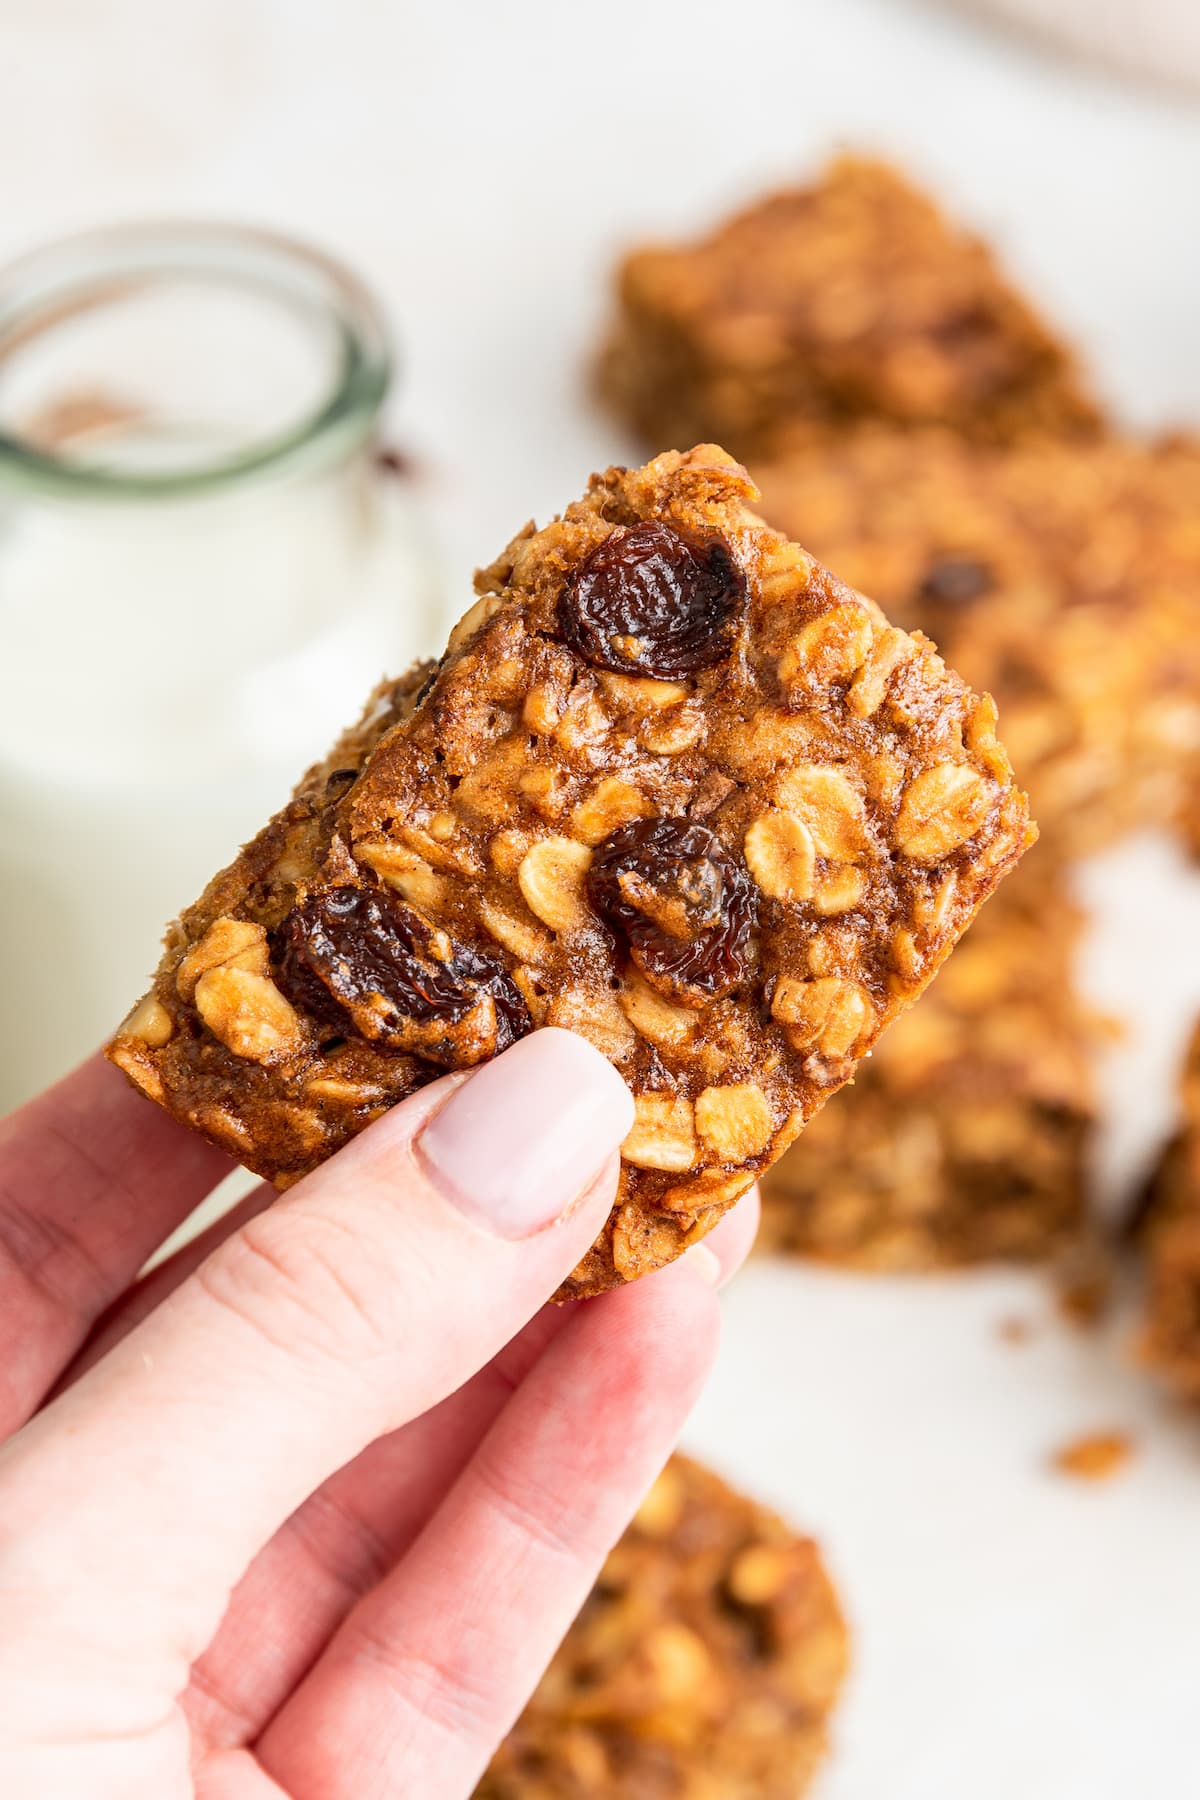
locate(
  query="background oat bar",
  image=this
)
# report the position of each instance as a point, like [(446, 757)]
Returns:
[(852, 298), (966, 1135), (672, 786), (704, 1665), (1169, 1229), (1064, 577)]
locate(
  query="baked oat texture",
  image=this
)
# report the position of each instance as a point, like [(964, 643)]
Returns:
[(704, 1665), (672, 786), (854, 297), (966, 1136), (1169, 1230), (1064, 577)]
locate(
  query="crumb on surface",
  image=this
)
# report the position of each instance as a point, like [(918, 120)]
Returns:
[(1096, 1456)]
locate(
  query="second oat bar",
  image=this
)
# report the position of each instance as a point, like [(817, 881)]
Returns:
[(672, 786)]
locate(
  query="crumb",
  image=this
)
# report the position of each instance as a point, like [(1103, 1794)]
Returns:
[(1014, 1330), (1084, 1284), (1094, 1457)]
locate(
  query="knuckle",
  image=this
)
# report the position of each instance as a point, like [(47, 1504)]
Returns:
[(306, 1283)]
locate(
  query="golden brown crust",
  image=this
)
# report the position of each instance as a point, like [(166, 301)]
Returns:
[(1062, 576), (849, 798), (704, 1666), (1169, 1230), (965, 1138), (849, 299)]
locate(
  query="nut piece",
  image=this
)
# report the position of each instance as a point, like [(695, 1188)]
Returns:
[(247, 1012), (679, 1666), (406, 873), (151, 1022), (596, 1017), (233, 943), (551, 878), (663, 1134), (759, 1574), (833, 810), (734, 1121), (678, 731), (780, 855), (941, 809), (827, 1014), (612, 802)]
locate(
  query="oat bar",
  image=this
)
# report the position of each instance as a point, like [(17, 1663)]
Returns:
[(1169, 1230), (672, 786), (966, 1136), (852, 298), (704, 1665), (1064, 577)]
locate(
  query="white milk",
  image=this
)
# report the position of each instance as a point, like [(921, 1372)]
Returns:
[(167, 671)]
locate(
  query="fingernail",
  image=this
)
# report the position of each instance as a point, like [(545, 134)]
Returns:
[(516, 1145), (704, 1263)]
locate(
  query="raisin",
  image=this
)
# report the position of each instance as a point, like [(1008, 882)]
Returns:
[(683, 904), (952, 580), (648, 601), (368, 966)]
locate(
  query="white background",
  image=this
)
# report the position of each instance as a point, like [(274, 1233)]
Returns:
[(1018, 1634)]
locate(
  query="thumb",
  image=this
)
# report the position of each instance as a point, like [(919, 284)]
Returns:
[(374, 1288)]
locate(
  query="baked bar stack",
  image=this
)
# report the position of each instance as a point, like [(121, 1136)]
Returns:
[(704, 1666), (851, 298), (672, 786), (1169, 1230), (965, 1138)]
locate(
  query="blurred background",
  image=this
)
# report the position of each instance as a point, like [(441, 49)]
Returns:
[(480, 168)]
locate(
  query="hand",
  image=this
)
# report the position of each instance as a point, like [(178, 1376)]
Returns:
[(312, 1504)]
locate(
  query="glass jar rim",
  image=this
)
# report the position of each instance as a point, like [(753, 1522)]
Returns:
[(61, 279)]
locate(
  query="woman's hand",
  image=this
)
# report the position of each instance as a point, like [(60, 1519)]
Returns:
[(317, 1499)]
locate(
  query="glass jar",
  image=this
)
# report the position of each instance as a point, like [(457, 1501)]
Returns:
[(205, 565)]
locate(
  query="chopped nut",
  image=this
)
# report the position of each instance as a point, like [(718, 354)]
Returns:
[(780, 856), (663, 1134), (941, 808), (546, 789), (642, 694), (759, 1574), (679, 1664), (247, 1012), (406, 873), (828, 1014), (612, 802), (236, 943), (734, 1121), (506, 848), (151, 1022), (551, 878), (674, 733), (831, 808)]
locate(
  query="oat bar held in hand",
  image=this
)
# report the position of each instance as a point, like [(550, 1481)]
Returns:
[(672, 786)]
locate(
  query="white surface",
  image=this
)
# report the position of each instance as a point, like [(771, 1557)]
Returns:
[(1018, 1635)]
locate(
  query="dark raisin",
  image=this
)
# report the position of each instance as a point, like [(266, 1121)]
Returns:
[(683, 904), (953, 580), (368, 966), (648, 601)]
